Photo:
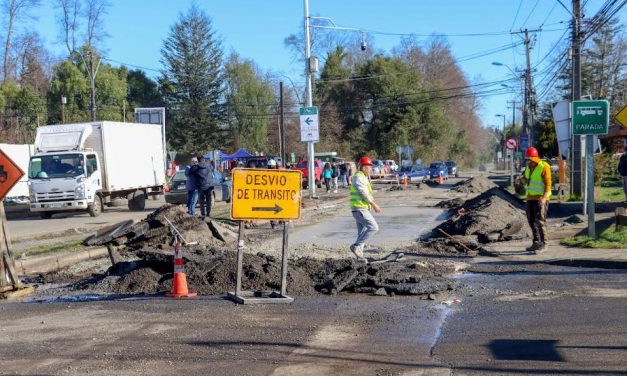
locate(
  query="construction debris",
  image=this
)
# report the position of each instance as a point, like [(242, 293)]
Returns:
[(453, 203), (495, 215), (143, 259), (477, 184)]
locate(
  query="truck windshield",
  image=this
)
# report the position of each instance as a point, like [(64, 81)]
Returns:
[(56, 166)]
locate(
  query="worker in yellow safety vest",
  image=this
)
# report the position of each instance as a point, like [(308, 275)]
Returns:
[(537, 180), (361, 202)]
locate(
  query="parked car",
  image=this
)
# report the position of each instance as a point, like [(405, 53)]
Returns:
[(391, 164), (379, 168), (176, 193), (318, 166), (415, 173), (451, 167), (436, 168)]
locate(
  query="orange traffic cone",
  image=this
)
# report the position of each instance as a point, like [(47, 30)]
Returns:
[(440, 179), (179, 283), (405, 180)]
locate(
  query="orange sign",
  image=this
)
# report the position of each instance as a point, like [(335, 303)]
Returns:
[(265, 194), (10, 174)]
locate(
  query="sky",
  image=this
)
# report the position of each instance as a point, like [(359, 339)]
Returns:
[(255, 29)]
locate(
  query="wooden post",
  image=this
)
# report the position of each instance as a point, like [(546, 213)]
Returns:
[(8, 268), (284, 260), (240, 259)]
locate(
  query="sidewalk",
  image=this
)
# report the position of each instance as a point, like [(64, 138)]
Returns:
[(557, 254)]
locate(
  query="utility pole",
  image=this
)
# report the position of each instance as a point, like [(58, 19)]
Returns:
[(530, 103), (576, 95), (63, 102), (282, 127), (309, 103)]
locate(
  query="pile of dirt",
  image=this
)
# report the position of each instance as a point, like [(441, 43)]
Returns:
[(145, 264), (478, 184), (453, 203), (396, 188), (495, 215), (214, 273), (155, 231)]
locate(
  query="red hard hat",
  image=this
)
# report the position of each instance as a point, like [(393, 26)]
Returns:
[(532, 152), (365, 161)]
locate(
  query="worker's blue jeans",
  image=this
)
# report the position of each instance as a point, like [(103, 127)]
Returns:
[(366, 226), (192, 198)]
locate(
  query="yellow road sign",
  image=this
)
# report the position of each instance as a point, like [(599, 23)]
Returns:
[(265, 194), (621, 117)]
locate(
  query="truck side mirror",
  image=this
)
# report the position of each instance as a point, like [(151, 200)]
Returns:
[(90, 170)]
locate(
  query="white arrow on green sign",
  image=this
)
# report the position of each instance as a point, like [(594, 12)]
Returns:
[(309, 130)]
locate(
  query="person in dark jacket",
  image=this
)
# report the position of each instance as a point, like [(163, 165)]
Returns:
[(204, 184), (622, 170), (190, 185)]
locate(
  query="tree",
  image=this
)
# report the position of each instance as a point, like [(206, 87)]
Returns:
[(249, 99), (68, 21), (192, 83), (15, 11), (142, 90), (95, 10)]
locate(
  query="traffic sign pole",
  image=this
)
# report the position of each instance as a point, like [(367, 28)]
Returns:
[(590, 184), (590, 118)]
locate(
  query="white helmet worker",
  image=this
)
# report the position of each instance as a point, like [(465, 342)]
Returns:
[(272, 163)]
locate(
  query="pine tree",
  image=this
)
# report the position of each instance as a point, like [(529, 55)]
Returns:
[(192, 83)]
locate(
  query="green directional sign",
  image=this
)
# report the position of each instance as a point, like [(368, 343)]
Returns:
[(309, 130), (590, 117)]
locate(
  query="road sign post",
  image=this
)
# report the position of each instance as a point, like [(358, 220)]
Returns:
[(590, 118), (10, 174), (511, 145), (264, 195)]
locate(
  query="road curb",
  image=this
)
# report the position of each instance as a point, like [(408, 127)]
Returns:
[(49, 263), (589, 263)]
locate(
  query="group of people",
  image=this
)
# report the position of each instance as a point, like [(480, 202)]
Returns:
[(333, 172), (199, 184)]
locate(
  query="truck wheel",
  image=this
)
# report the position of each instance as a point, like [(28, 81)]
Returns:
[(46, 215), (95, 209), (305, 184), (137, 201)]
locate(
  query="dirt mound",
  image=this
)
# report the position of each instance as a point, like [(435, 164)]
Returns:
[(477, 184), (492, 216), (213, 272), (156, 231), (453, 203)]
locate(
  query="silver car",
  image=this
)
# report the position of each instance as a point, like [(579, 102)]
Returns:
[(176, 193)]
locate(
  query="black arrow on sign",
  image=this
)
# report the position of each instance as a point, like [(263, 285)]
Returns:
[(276, 209)]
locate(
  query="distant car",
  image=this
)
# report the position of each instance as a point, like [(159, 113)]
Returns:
[(451, 167), (318, 167), (176, 192), (438, 168), (414, 173), (391, 164), (379, 168)]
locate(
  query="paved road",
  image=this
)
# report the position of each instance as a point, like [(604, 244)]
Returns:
[(536, 319)]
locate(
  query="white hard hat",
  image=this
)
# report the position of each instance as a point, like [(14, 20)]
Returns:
[(271, 163)]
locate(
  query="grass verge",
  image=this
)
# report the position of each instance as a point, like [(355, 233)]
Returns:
[(612, 194), (72, 245), (610, 238)]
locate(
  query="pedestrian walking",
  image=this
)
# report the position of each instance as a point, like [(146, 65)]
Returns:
[(190, 185), (537, 180), (343, 174), (622, 170), (327, 173), (361, 202), (334, 176), (204, 185)]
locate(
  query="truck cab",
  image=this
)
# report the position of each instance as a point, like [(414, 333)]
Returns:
[(64, 181)]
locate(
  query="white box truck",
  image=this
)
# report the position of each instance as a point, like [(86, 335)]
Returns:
[(86, 166)]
